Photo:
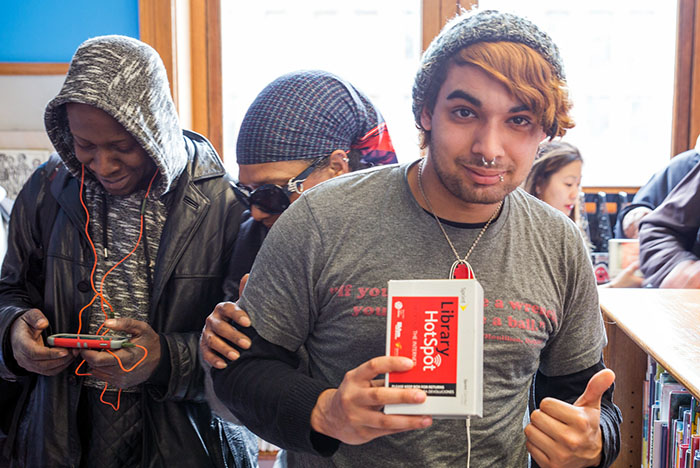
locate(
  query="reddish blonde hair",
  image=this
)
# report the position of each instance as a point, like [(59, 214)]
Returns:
[(524, 72)]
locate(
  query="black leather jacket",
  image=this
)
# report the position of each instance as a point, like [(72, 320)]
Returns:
[(191, 277)]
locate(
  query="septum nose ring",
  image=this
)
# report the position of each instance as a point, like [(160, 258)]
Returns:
[(486, 163)]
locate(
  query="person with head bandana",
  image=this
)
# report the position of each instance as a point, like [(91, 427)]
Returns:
[(127, 232), (303, 128), (490, 88)]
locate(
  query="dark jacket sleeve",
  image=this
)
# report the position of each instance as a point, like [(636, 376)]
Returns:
[(182, 310), (568, 388), (251, 235), (668, 235), (179, 366), (22, 280), (653, 193), (268, 393)]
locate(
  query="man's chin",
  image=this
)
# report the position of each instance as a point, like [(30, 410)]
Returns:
[(484, 196)]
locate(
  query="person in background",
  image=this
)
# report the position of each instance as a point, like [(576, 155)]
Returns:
[(669, 245), (127, 231), (489, 89), (303, 128), (651, 194), (555, 178)]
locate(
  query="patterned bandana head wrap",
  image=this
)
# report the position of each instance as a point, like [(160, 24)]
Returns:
[(310, 114)]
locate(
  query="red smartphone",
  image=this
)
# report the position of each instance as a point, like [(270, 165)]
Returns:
[(71, 340)]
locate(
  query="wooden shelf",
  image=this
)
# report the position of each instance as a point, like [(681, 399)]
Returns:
[(664, 323)]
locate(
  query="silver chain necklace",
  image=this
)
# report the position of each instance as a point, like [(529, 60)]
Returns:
[(459, 261)]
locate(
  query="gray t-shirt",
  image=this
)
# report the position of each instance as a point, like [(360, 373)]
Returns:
[(320, 282)]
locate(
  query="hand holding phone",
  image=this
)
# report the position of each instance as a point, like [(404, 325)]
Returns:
[(72, 340), (135, 364), (29, 348)]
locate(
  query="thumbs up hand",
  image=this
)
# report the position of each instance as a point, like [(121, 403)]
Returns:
[(565, 435)]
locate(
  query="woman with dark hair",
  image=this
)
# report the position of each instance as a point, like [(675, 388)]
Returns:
[(555, 177)]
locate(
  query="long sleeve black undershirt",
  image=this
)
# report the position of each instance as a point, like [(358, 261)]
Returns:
[(265, 390), (568, 388)]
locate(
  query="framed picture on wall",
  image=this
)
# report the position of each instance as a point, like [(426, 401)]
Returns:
[(16, 165)]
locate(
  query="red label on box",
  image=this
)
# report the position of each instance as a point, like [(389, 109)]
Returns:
[(424, 329)]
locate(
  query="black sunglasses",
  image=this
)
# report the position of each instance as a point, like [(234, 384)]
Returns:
[(271, 198)]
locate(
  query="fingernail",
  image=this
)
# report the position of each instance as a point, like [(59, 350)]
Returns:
[(419, 397), (232, 355), (220, 364), (62, 353), (110, 323), (427, 421), (407, 361), (245, 321), (244, 343), (40, 323)]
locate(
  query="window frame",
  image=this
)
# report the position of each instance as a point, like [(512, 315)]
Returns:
[(158, 23), (686, 108), (686, 92)]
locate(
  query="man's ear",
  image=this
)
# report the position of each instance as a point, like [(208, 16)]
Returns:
[(426, 119), (338, 163)]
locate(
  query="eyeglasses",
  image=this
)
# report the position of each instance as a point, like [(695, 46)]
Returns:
[(271, 198)]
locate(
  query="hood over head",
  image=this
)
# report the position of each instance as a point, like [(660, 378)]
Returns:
[(125, 78)]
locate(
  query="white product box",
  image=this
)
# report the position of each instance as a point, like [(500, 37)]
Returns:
[(439, 324)]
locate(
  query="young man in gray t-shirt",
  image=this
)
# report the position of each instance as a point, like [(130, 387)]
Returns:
[(490, 89)]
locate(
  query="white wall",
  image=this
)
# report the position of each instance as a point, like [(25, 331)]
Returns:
[(22, 103)]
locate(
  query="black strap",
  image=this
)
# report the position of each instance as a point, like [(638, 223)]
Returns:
[(47, 210), (48, 206)]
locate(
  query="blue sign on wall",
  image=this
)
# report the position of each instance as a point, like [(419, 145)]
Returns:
[(51, 30)]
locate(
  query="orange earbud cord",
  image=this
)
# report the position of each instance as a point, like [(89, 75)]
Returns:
[(100, 294)]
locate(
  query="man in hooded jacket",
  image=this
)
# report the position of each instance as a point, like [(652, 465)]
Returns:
[(130, 234)]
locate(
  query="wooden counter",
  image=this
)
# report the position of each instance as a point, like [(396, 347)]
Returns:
[(664, 323)]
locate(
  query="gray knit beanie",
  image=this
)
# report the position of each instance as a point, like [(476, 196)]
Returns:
[(479, 26)]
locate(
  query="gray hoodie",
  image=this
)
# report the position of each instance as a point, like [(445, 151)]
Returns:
[(126, 79)]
